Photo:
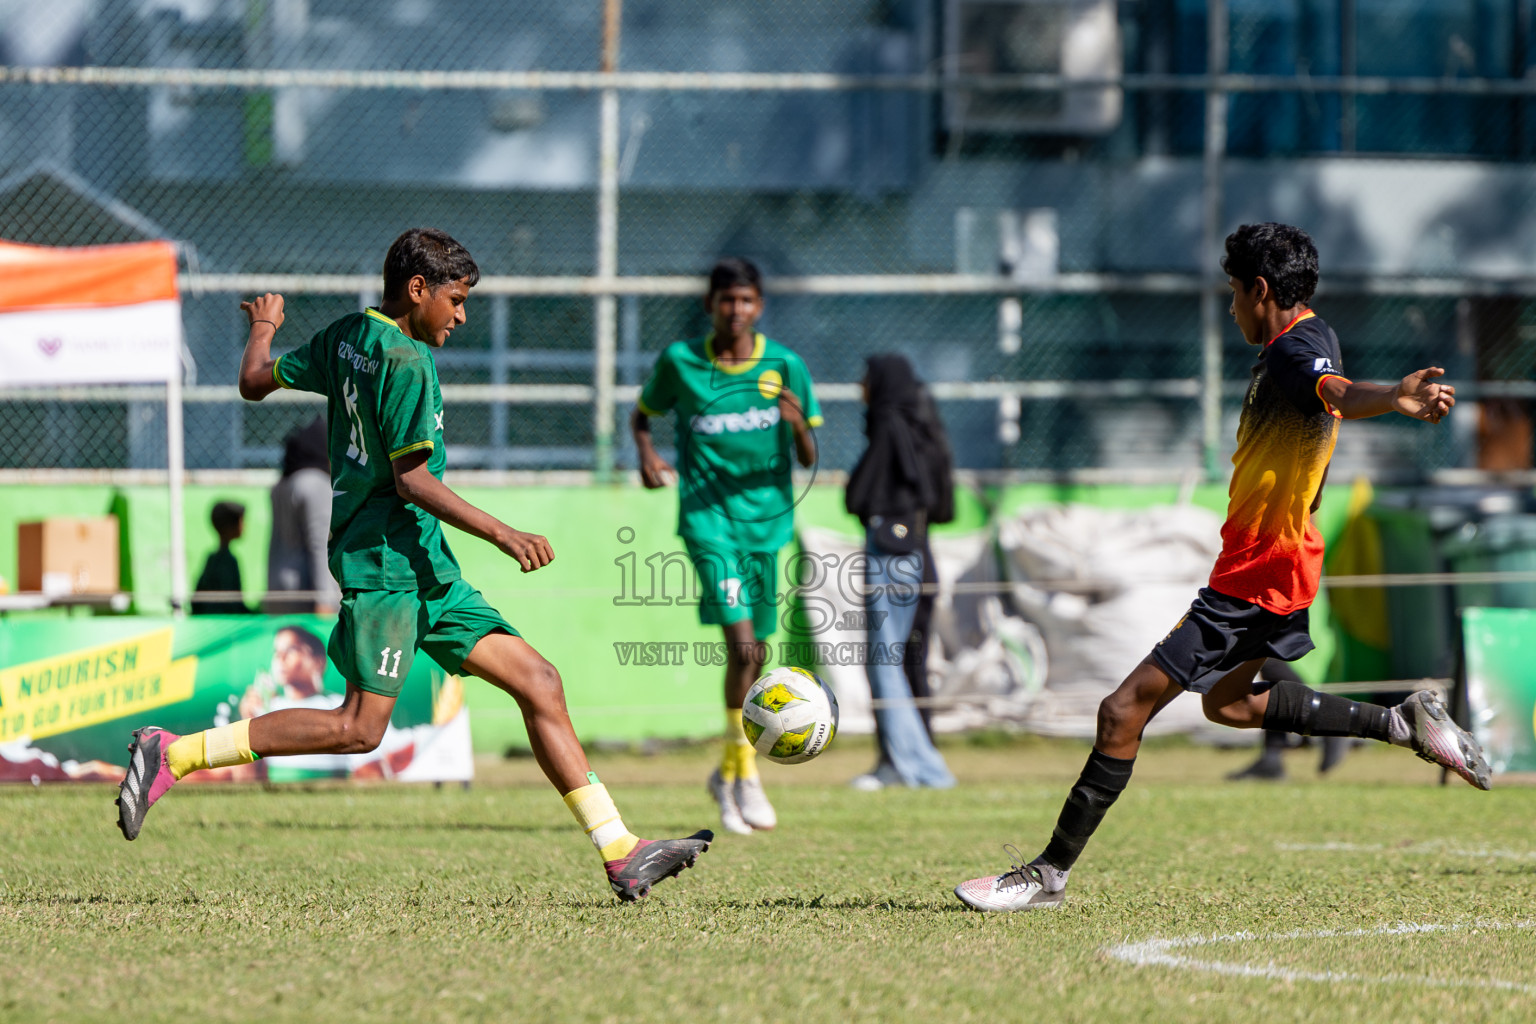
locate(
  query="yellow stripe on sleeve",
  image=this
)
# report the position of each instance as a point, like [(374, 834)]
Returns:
[(418, 446), (277, 378), (814, 421), (1318, 388), (647, 409)]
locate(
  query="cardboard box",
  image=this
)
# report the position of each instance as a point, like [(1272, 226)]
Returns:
[(67, 556)]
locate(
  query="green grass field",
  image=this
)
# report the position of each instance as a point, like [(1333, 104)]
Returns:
[(391, 903)]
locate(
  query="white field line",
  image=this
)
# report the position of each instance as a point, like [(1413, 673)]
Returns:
[(1434, 847), (1161, 953)]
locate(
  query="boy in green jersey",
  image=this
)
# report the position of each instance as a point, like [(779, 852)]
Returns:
[(401, 587), (743, 404)]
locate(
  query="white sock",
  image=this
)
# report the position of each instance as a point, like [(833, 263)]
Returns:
[(1055, 878), (1399, 733)]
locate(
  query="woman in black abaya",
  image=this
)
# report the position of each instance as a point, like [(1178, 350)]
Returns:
[(902, 484)]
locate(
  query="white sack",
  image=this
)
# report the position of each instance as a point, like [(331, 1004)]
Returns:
[(1104, 586), (989, 663)]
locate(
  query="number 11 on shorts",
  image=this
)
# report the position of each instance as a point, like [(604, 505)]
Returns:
[(387, 669)]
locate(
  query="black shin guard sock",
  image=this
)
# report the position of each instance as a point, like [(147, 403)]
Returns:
[(1102, 781), (1295, 708)]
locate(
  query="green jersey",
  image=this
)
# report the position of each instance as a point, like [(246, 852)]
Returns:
[(734, 454), (383, 401)]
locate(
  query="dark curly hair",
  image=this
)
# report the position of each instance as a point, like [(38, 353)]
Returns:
[(432, 254), (1279, 253), (731, 272)]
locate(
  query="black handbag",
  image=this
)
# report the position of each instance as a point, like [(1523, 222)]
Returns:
[(899, 535)]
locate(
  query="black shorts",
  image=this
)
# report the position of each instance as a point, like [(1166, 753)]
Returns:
[(1219, 633)]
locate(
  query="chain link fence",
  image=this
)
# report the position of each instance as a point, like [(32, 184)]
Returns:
[(1018, 194)]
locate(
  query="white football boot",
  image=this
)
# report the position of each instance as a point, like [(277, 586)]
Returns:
[(1022, 888), (753, 803), (1438, 740), (730, 815)]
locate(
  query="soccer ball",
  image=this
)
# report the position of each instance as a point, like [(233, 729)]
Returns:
[(789, 715)]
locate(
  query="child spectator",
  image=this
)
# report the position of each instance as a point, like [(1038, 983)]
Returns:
[(222, 572)]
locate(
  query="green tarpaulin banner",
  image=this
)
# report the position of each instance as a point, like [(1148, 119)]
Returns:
[(72, 690), (1501, 684)]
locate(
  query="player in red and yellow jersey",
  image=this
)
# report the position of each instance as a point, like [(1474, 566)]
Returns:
[(1271, 560)]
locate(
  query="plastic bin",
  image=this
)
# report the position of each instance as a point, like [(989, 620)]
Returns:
[(1497, 544)]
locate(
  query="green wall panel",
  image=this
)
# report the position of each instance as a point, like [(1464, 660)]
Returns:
[(573, 611)]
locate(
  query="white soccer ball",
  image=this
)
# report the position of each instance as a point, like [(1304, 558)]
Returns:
[(789, 715)]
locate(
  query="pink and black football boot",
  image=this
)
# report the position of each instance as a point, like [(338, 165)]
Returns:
[(653, 861), (147, 780)]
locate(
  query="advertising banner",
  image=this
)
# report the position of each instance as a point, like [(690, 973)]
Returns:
[(104, 314), (1501, 684), (72, 690)]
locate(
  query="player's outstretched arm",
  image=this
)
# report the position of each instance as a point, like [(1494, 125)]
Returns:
[(415, 483), (1417, 396), (655, 471), (266, 316)]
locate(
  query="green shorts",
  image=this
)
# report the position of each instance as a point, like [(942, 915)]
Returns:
[(736, 585), (379, 631)]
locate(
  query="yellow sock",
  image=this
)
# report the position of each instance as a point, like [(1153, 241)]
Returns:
[(739, 760), (600, 820), (213, 748), (746, 762)]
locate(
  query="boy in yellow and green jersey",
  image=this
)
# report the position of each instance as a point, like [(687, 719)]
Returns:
[(402, 590), (743, 406)]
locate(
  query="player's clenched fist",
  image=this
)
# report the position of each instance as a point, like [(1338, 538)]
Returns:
[(529, 549), (1420, 397), (268, 308), (789, 408), (656, 472)]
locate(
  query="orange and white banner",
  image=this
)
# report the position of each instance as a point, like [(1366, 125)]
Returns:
[(106, 314)]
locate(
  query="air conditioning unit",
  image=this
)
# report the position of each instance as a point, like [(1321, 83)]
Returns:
[(1072, 38)]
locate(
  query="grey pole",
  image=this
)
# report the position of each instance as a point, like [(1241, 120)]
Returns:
[(501, 333), (1211, 239), (606, 340), (176, 475)]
